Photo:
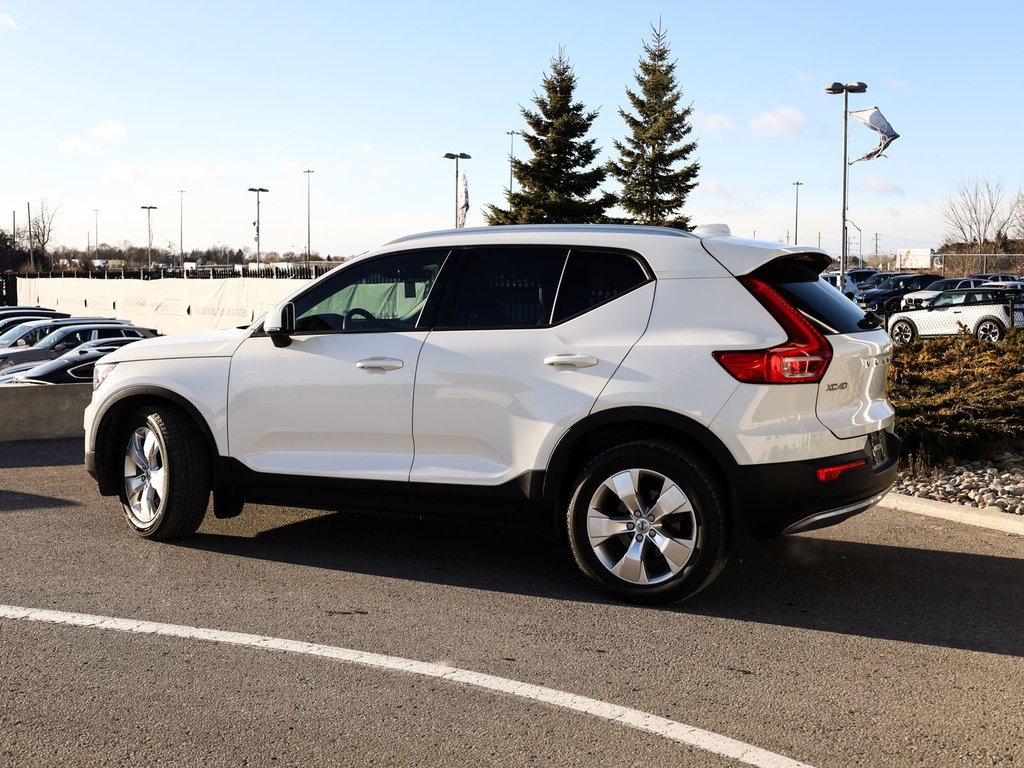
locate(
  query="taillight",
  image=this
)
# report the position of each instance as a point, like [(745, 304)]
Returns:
[(801, 359)]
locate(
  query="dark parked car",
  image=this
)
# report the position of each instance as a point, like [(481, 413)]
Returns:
[(73, 367), (888, 296), (873, 281), (9, 321), (65, 339), (31, 332)]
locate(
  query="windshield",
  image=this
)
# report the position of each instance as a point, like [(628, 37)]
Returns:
[(13, 334)]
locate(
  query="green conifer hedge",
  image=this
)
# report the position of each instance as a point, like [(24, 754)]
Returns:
[(959, 397)]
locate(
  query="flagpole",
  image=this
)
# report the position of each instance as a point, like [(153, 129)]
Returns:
[(846, 90)]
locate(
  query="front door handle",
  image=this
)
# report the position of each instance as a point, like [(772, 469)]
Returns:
[(378, 364), (570, 360)]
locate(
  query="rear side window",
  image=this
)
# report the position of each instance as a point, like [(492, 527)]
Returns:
[(595, 277), (507, 287), (828, 309)]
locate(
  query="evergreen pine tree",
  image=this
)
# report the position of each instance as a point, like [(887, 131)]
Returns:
[(555, 187), (654, 183)]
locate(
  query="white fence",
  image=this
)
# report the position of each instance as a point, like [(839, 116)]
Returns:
[(169, 306)]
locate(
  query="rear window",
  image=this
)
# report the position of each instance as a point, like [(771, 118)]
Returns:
[(828, 309)]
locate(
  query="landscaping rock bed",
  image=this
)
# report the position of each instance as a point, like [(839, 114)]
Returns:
[(998, 483)]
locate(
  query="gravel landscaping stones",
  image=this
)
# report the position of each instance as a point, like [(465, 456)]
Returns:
[(998, 483)]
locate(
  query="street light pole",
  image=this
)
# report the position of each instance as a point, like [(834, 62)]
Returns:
[(96, 232), (846, 90), (456, 157), (149, 226), (181, 228), (511, 158), (796, 220), (308, 175), (860, 241), (257, 190)]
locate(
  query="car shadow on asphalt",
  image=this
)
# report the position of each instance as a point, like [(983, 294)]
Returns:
[(923, 596), (948, 599), (15, 501), (22, 454)]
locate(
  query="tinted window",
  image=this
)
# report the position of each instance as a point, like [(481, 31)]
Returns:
[(828, 309), (506, 287), (594, 277), (385, 294)]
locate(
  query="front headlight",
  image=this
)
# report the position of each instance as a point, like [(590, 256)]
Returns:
[(100, 372)]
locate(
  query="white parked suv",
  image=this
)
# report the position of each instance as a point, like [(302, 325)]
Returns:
[(649, 392)]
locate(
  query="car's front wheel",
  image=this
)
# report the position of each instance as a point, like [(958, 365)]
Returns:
[(648, 522), (990, 330), (902, 332), (166, 475)]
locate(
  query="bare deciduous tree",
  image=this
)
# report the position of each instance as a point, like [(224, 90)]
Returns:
[(42, 227), (979, 214)]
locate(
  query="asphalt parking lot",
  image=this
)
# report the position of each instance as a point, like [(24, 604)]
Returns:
[(890, 640)]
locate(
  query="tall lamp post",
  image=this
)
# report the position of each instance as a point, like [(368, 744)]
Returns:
[(846, 90), (257, 190), (511, 158), (308, 175), (181, 227), (456, 158), (796, 218), (96, 232), (860, 241), (149, 226)]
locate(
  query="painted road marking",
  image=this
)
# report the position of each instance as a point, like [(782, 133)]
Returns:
[(631, 718)]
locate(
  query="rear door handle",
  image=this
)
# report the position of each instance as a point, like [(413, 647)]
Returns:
[(570, 360), (377, 364)]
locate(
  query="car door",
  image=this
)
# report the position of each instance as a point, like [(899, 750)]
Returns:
[(336, 402), (525, 341), (944, 315)]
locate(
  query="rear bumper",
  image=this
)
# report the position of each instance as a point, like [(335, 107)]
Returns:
[(776, 499)]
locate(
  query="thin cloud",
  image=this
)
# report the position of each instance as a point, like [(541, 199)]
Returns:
[(196, 175), (7, 22), (709, 124), (781, 123), (76, 144), (901, 84), (111, 130), (881, 187)]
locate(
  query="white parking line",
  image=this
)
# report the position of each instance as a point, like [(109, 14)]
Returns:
[(632, 718)]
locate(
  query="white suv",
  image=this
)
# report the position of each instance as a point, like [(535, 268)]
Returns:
[(648, 391)]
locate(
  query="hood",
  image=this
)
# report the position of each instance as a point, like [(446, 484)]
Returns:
[(210, 344)]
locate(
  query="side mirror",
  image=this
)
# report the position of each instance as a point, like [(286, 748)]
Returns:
[(279, 324)]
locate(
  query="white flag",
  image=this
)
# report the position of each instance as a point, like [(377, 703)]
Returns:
[(463, 208), (874, 120)]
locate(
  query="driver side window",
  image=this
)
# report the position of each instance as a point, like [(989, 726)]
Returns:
[(383, 294)]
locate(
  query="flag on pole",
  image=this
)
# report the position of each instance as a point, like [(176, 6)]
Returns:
[(463, 209), (874, 120)]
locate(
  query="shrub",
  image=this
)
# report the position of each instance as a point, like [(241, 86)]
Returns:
[(959, 397)]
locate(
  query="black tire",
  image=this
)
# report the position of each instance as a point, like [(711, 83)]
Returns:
[(902, 332), (695, 515), (990, 329), (166, 471)]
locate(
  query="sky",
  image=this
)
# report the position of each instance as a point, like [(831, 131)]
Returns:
[(110, 106)]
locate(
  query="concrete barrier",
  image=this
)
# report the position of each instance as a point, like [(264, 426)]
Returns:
[(41, 412)]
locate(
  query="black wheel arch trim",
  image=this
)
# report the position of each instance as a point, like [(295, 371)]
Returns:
[(104, 449), (557, 481)]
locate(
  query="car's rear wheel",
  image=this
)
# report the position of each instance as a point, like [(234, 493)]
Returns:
[(902, 332), (166, 475), (647, 522), (990, 330)]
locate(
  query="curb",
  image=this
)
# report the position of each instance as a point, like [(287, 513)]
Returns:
[(957, 513)]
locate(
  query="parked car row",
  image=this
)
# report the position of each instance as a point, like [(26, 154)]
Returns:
[(42, 339)]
